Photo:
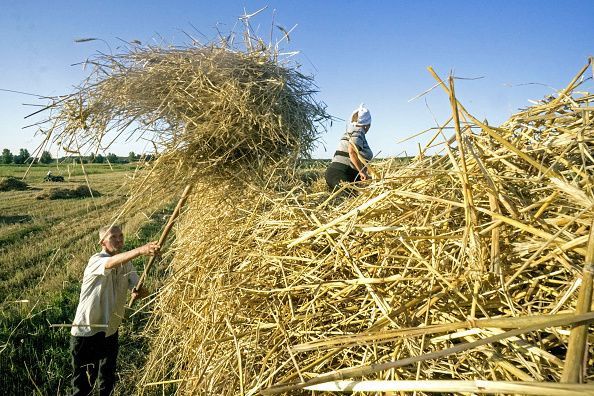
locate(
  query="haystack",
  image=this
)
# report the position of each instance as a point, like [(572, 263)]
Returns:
[(461, 267), (206, 110), (421, 276), (11, 183), (81, 191)]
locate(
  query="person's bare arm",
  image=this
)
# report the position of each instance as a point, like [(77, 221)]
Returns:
[(150, 249), (355, 160)]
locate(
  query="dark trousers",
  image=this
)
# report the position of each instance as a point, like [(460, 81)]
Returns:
[(93, 357), (337, 173)]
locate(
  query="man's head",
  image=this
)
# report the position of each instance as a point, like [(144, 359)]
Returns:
[(111, 239)]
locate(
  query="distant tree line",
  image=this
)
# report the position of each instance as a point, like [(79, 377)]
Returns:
[(23, 157)]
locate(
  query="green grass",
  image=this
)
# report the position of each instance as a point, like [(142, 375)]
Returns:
[(37, 172), (44, 247)]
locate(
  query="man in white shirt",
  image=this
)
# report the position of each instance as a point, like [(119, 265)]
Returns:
[(106, 280)]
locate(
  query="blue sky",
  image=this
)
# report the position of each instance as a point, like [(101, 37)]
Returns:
[(374, 52)]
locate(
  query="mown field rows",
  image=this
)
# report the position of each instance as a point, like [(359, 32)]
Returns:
[(44, 247)]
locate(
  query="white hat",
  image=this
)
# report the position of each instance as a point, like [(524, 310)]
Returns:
[(363, 115)]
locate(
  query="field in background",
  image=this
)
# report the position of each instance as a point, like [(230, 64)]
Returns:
[(44, 247)]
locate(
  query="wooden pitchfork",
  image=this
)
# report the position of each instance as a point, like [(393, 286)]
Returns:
[(162, 239)]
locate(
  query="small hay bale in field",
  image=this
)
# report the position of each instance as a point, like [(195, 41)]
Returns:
[(81, 191), (12, 183)]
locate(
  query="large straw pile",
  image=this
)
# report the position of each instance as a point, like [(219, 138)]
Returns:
[(276, 291), (206, 110), (272, 286)]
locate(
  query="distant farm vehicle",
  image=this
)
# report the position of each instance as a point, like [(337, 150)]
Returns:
[(52, 178)]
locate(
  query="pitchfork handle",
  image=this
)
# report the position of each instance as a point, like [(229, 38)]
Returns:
[(162, 239)]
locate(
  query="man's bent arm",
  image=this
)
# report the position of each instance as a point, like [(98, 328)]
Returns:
[(149, 249)]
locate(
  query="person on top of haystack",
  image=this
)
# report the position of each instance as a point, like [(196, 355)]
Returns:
[(346, 165), (94, 342)]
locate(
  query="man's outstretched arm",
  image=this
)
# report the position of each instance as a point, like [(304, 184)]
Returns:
[(150, 249)]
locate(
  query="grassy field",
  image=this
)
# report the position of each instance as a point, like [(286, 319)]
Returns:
[(44, 247)]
